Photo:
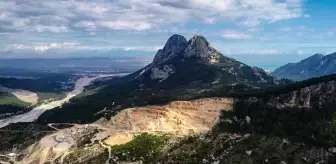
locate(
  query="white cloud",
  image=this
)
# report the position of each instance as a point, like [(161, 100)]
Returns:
[(249, 23), (124, 25), (232, 34), (55, 29), (17, 47), (36, 24), (143, 48), (330, 34), (75, 46), (87, 25), (300, 52), (114, 25), (56, 16), (257, 52), (41, 47), (64, 45), (285, 29)]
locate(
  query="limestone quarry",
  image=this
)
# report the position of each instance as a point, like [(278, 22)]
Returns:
[(79, 143)]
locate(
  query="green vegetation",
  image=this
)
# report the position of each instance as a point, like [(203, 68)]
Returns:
[(48, 82), (292, 135), (124, 93), (22, 135), (313, 126), (10, 99), (145, 147), (50, 96), (10, 105), (256, 149), (88, 92)]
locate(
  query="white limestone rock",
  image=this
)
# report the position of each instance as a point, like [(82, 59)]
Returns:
[(174, 46), (161, 74), (199, 47)]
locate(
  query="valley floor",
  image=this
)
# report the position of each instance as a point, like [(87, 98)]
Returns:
[(37, 111)]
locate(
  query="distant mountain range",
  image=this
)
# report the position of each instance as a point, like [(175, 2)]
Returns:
[(313, 66)]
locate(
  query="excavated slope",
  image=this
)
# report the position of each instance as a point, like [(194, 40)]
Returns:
[(179, 118)]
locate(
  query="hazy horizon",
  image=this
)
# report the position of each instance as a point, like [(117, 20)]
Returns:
[(266, 33), (266, 62)]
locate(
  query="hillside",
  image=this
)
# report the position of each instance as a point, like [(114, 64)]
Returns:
[(313, 66), (86, 142), (10, 105), (181, 70), (10, 99), (195, 62), (285, 124)]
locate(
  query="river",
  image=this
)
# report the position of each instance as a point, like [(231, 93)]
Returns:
[(37, 111)]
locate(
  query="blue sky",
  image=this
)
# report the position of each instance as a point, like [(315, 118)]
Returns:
[(265, 33)]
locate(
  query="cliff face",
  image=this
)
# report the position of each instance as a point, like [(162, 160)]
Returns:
[(175, 45), (199, 47), (317, 96), (181, 63), (178, 117)]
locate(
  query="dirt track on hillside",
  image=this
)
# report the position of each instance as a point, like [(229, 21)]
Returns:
[(179, 118)]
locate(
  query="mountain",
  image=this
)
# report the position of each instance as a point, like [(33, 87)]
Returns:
[(144, 117), (290, 124), (313, 66), (295, 123), (181, 70), (194, 62)]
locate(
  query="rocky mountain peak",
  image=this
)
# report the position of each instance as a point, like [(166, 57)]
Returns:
[(199, 47), (313, 58), (199, 40), (174, 46), (313, 66)]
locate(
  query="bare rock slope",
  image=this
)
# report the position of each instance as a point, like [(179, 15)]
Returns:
[(81, 143)]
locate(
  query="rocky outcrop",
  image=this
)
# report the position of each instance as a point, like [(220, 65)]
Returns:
[(196, 60), (178, 117), (161, 74), (78, 143), (319, 96), (174, 46), (199, 47)]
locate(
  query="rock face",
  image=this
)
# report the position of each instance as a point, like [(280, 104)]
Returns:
[(313, 66), (196, 61), (174, 46), (319, 96), (178, 117), (161, 74), (199, 47)]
